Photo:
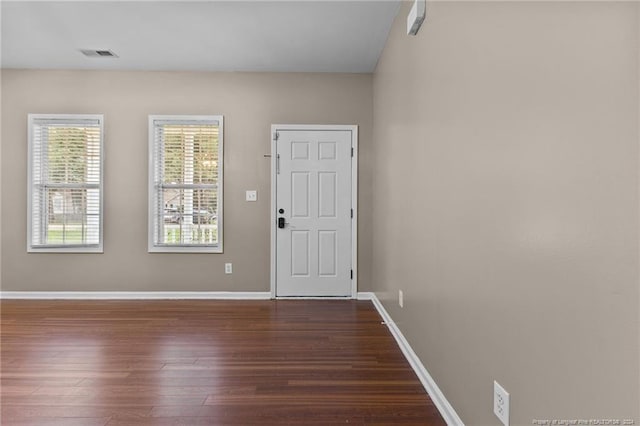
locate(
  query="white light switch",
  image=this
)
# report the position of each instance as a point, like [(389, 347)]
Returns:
[(252, 195)]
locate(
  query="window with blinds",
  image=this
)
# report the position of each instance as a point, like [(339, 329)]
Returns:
[(65, 182), (185, 183)]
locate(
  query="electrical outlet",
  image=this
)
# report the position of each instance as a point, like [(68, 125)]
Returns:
[(228, 268), (401, 298), (501, 403)]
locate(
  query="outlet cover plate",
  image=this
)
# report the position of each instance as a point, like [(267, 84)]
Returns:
[(228, 268), (501, 403)]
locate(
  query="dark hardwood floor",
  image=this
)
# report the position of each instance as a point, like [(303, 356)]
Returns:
[(307, 362)]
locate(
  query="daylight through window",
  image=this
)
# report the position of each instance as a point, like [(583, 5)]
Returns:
[(185, 183), (65, 188)]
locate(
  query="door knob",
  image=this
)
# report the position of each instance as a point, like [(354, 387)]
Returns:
[(281, 222)]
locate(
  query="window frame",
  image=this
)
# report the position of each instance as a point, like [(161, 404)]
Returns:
[(153, 193), (61, 248)]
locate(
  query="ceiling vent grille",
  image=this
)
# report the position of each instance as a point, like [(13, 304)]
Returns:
[(98, 53)]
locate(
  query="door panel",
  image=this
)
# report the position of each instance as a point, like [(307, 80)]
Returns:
[(327, 194), (300, 253), (327, 253), (300, 194), (313, 188)]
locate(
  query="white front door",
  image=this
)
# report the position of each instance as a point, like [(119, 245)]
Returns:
[(313, 203)]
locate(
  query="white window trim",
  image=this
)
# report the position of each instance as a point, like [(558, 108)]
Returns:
[(217, 248), (93, 248)]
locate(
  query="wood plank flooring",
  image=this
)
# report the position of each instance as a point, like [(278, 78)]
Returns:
[(306, 362)]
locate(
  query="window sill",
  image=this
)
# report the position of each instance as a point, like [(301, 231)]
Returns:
[(185, 249), (74, 249)]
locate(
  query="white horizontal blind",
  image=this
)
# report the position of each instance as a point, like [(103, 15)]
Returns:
[(65, 181), (186, 182)]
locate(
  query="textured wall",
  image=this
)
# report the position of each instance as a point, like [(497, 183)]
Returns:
[(249, 102), (506, 203)]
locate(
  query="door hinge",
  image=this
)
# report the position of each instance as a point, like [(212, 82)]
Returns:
[(276, 135), (352, 274), (351, 213), (352, 152)]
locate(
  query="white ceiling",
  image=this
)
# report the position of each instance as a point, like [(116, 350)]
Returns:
[(278, 36)]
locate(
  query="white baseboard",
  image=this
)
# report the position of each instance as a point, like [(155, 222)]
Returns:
[(365, 295), (132, 295), (153, 295), (438, 398)]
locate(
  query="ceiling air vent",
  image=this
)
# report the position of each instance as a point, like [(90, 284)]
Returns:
[(98, 53)]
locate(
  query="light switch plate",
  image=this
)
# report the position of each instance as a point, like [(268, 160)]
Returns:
[(252, 195)]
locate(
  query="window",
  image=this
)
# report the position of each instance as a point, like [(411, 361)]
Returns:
[(185, 183), (65, 183)]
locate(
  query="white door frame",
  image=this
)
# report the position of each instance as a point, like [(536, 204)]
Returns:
[(354, 197)]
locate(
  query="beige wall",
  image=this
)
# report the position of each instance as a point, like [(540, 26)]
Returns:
[(250, 103), (506, 204), (0, 182)]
